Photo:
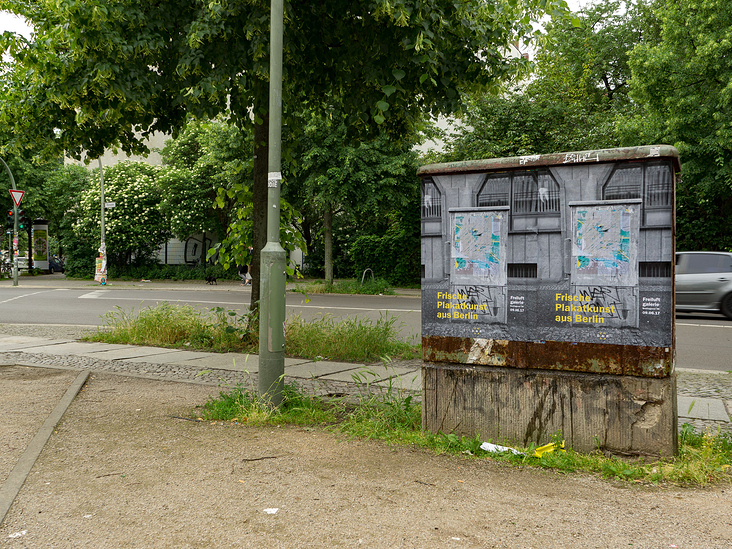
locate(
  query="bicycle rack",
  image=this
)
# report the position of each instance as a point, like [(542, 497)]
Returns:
[(364, 276)]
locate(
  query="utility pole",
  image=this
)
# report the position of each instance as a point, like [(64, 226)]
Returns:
[(272, 275), (15, 226), (102, 245)]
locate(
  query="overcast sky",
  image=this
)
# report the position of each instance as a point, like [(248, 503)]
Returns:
[(9, 22)]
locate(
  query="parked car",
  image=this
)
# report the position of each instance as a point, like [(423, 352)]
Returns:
[(55, 265), (704, 282)]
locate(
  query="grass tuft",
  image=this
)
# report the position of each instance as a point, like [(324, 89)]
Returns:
[(346, 286), (180, 326), (220, 330), (389, 413), (242, 405), (350, 340)]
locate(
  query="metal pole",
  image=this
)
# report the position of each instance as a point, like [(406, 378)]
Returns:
[(15, 226), (102, 245), (272, 267)]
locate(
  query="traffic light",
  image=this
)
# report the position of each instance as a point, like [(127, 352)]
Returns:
[(9, 221), (23, 223)]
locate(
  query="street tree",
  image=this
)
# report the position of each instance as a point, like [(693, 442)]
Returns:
[(98, 74), (683, 84), (355, 185), (207, 155), (577, 91)]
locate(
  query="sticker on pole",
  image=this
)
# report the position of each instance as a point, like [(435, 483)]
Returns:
[(17, 196), (273, 179)]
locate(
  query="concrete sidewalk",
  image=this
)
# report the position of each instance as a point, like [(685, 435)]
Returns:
[(137, 359), (704, 398)]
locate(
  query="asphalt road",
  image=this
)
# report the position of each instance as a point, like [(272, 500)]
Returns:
[(703, 341), (44, 301)]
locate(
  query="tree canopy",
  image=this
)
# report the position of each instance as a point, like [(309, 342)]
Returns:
[(98, 74), (578, 89), (684, 84)]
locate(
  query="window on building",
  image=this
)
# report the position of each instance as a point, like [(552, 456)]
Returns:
[(495, 191), (533, 197), (522, 270), (625, 183), (431, 199), (651, 181)]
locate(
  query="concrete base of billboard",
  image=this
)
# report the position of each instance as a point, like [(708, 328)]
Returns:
[(620, 414)]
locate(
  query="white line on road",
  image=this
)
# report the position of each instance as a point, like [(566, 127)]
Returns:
[(355, 308), (95, 294), (26, 295), (704, 325), (102, 294)]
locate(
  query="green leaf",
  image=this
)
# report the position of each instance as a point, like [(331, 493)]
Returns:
[(379, 119), (398, 74), (388, 90), (383, 105)]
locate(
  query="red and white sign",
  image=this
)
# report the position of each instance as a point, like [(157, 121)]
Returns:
[(17, 196)]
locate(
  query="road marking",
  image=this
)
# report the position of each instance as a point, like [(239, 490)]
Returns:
[(95, 294), (704, 325), (355, 308), (102, 294), (26, 295)]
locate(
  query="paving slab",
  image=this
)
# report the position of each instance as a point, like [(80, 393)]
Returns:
[(28, 344), (131, 351), (411, 381), (174, 356), (71, 348), (322, 368), (701, 408), (372, 374), (237, 362), (99, 348)]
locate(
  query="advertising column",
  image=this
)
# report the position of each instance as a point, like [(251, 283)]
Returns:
[(40, 244)]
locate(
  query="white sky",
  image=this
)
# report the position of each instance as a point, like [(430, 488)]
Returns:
[(9, 22)]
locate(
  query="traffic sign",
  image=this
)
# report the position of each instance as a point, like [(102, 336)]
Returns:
[(16, 195)]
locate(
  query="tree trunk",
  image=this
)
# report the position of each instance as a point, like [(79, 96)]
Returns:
[(259, 199), (328, 236)]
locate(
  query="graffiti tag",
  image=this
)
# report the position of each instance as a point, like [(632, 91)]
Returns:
[(573, 158)]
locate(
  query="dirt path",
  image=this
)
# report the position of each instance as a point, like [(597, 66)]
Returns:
[(120, 472)]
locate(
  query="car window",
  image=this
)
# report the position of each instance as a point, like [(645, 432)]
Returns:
[(705, 263), (726, 264)]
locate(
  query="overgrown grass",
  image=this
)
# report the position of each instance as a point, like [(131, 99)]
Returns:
[(385, 412), (243, 406), (220, 330), (346, 286), (180, 326), (350, 340)]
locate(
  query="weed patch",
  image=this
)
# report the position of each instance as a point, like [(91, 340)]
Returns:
[(388, 413), (180, 326), (221, 330), (350, 340), (346, 286)]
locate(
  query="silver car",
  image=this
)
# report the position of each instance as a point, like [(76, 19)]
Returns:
[(704, 282)]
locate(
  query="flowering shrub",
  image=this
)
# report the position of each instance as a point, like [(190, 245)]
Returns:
[(135, 228)]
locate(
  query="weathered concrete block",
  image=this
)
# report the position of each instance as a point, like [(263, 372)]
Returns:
[(617, 413)]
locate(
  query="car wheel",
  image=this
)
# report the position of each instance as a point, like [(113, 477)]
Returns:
[(50, 270), (727, 306)]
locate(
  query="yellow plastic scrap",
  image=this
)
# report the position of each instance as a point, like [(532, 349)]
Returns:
[(541, 450)]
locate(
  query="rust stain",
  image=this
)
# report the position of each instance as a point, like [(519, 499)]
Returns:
[(599, 358)]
